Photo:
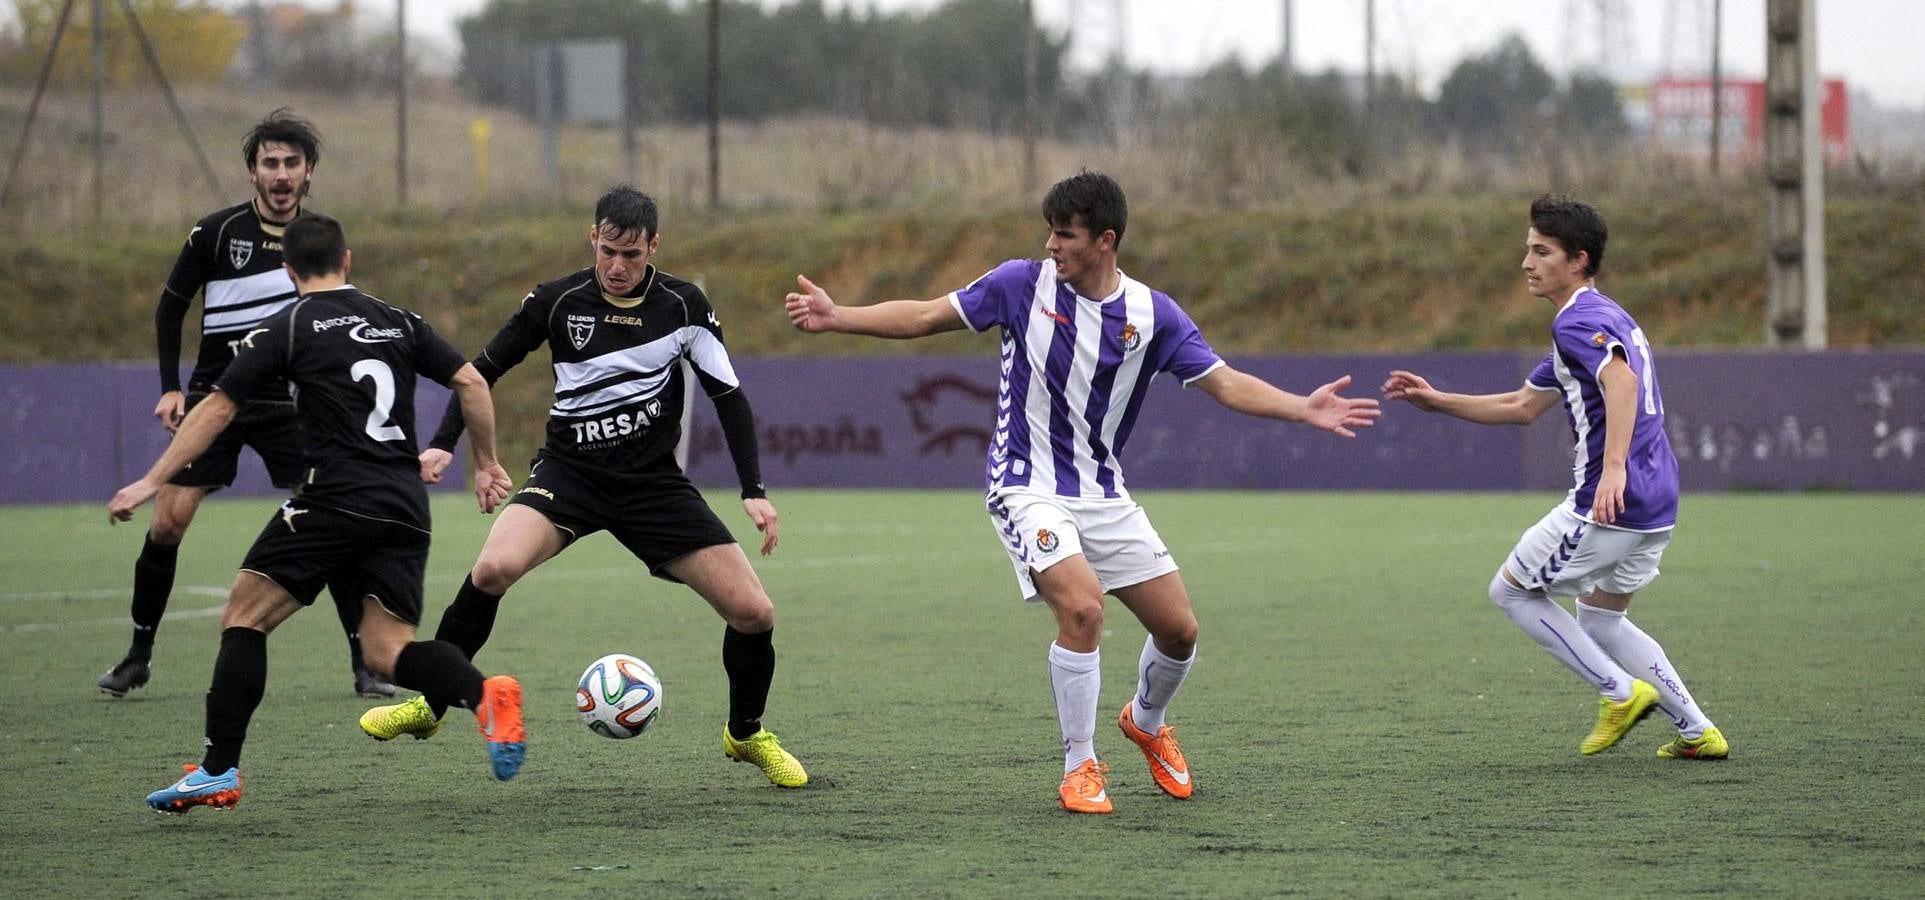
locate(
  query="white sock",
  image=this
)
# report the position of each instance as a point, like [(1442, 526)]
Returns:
[(1157, 678), (1076, 679), (1644, 657), (1553, 629)]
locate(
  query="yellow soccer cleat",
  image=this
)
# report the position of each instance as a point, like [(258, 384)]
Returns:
[(1710, 745), (1614, 719), (414, 718), (766, 753)]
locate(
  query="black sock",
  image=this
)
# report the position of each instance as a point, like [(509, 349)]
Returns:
[(153, 581), (240, 677), (347, 605), (470, 619), (441, 673), (750, 661)]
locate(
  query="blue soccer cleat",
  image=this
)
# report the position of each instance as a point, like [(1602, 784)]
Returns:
[(197, 788)]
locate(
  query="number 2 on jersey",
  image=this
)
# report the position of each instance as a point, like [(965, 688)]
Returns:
[(383, 378)]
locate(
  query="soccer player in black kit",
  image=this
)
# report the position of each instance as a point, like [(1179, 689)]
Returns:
[(617, 333), (360, 515), (232, 258)]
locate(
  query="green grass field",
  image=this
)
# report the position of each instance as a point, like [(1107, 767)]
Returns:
[(1360, 721)]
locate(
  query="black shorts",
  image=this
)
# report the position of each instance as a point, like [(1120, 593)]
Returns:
[(659, 517), (306, 546), (270, 428)]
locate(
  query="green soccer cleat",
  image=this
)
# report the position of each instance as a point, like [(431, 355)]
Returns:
[(1614, 719), (762, 749), (414, 718), (1710, 745)]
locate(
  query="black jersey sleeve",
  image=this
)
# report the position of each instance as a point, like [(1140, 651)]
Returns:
[(260, 356), (709, 357), (192, 268), (738, 427), (705, 349), (434, 357), (526, 330)]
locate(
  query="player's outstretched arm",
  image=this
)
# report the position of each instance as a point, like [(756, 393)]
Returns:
[(1518, 407), (197, 432), (1323, 409), (478, 411), (810, 309)]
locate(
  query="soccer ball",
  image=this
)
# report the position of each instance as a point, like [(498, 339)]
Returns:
[(619, 696)]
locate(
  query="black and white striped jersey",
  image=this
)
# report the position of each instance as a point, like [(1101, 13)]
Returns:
[(233, 259), (354, 362), (618, 378)]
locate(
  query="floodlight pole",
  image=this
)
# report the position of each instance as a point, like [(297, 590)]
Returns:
[(715, 104), (1717, 84), (1795, 168), (1030, 105), (401, 101), (100, 107)]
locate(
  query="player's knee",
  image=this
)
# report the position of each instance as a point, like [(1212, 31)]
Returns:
[(751, 618), (495, 574), (1083, 619), (1600, 623), (167, 528), (1505, 594), (1178, 642)]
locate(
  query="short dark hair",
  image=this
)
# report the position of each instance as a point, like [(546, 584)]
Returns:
[(1577, 226), (625, 209), (1094, 197), (314, 245), (282, 126)]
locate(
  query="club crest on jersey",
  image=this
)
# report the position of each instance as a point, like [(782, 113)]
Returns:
[(1600, 339), (239, 251), (580, 329), (1130, 339), (1046, 540)]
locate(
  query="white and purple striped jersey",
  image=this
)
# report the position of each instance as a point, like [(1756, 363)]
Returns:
[(1586, 334), (1074, 374)]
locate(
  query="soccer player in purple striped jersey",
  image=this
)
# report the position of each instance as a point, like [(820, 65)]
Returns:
[(1602, 544), (1081, 342)]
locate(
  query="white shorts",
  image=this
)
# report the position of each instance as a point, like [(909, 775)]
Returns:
[(1565, 556), (1115, 536)]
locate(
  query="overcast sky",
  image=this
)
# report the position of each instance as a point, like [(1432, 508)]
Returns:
[(1877, 46)]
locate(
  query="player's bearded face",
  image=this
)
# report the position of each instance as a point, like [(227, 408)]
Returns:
[(621, 257), (1550, 272), (280, 175)]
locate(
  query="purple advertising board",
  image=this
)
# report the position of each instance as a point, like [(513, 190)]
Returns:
[(77, 433), (1737, 420)]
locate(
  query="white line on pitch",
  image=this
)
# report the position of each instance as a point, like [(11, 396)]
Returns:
[(210, 612), (104, 594)]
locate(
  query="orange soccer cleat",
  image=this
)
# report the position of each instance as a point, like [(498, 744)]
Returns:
[(1167, 765), (1083, 790)]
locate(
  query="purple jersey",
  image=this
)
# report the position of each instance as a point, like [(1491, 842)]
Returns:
[(1075, 372), (1586, 335)]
